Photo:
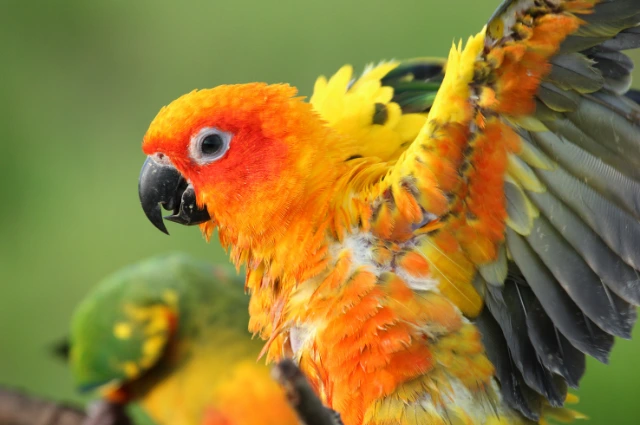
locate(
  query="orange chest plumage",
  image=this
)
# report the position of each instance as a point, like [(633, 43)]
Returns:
[(374, 331)]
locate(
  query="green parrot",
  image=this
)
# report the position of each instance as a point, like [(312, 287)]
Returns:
[(171, 334)]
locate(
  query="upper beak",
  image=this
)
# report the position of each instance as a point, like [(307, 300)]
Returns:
[(161, 184)]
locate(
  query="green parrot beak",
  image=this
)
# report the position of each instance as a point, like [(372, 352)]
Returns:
[(161, 184)]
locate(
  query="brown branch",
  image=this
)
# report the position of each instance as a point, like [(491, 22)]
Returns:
[(18, 408), (301, 396)]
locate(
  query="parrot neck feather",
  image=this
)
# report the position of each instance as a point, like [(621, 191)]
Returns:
[(288, 235)]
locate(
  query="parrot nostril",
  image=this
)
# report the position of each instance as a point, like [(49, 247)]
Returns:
[(162, 159)]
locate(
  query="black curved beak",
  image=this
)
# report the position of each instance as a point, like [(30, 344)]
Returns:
[(161, 184)]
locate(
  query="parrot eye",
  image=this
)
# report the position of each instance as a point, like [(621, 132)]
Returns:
[(210, 144)]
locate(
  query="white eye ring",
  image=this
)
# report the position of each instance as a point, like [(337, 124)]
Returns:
[(209, 145)]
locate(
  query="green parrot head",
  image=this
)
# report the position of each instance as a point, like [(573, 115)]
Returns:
[(141, 321)]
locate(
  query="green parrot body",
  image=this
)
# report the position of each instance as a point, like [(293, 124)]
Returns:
[(171, 333)]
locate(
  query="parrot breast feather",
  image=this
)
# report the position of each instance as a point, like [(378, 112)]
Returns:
[(521, 194)]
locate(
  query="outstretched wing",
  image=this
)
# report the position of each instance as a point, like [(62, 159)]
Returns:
[(382, 111), (523, 190)]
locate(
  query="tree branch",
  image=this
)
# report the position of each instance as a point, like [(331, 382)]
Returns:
[(18, 408)]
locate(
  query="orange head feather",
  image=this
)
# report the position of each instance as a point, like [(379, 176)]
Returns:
[(268, 177)]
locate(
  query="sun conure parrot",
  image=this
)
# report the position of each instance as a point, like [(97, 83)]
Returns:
[(430, 255), (171, 334)]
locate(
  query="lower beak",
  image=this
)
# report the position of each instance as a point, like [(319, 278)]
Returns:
[(161, 184)]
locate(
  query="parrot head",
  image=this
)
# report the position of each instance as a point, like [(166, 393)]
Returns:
[(238, 157)]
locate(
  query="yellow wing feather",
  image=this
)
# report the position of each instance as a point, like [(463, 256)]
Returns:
[(349, 106)]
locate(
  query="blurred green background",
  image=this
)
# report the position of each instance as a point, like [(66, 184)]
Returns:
[(80, 81)]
